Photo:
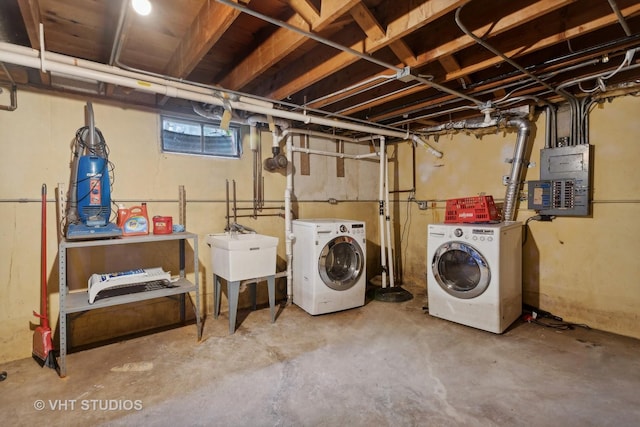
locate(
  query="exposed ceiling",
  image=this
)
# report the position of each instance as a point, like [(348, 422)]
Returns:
[(405, 64)]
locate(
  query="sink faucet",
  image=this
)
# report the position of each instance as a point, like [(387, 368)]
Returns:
[(237, 228)]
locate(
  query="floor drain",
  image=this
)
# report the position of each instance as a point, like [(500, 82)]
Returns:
[(392, 294)]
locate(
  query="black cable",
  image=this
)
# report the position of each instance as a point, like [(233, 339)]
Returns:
[(526, 227), (539, 217), (564, 326), (537, 316)]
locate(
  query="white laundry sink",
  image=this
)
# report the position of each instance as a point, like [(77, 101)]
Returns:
[(236, 256)]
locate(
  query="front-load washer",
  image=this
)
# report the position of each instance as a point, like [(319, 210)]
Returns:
[(329, 264), (474, 274)]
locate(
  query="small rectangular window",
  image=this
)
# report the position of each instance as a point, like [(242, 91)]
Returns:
[(180, 135)]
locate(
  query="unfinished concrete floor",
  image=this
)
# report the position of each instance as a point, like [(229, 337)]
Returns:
[(385, 364)]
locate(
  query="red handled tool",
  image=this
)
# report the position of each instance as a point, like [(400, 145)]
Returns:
[(42, 344)]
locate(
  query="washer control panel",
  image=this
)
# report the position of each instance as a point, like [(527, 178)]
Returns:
[(475, 234), (355, 229)]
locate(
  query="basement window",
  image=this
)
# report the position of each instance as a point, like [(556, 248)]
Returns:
[(187, 136)]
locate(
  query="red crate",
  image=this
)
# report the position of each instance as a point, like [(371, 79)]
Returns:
[(471, 209)]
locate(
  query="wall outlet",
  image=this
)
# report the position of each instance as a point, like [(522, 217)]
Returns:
[(422, 205), (506, 179)]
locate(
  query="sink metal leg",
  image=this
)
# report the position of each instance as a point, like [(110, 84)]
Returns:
[(216, 296), (252, 294), (271, 284), (233, 289)]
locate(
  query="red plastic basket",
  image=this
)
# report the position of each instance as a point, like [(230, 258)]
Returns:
[(471, 209)]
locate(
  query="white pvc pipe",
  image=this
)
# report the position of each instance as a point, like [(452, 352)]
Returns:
[(320, 135), (429, 148), (288, 232), (72, 67), (334, 154), (290, 149), (388, 218), (83, 63), (383, 160)]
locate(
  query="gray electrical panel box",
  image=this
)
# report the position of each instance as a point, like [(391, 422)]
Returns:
[(564, 185)]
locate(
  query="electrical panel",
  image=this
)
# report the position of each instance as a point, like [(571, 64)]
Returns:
[(564, 185)]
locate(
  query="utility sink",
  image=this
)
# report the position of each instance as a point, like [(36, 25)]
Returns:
[(236, 256)]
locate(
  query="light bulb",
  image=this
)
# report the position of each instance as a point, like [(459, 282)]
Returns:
[(142, 7)]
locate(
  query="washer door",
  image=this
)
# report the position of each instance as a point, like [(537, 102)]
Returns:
[(461, 270), (341, 263)]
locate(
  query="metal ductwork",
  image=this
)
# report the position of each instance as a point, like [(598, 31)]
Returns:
[(519, 160), (516, 176)]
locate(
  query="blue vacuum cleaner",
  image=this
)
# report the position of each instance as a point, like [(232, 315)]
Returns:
[(89, 204)]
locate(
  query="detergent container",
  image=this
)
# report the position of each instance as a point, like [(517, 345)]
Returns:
[(162, 224), (133, 221)]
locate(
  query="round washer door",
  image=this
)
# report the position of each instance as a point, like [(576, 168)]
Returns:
[(461, 270), (341, 263)]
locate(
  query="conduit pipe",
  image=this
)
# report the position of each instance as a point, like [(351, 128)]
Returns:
[(19, 55), (366, 57), (573, 103), (82, 63), (385, 79), (623, 23)]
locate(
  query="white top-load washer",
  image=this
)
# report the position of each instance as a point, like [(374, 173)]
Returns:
[(329, 264), (474, 274)]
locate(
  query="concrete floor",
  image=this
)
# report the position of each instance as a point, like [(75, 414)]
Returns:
[(385, 364)]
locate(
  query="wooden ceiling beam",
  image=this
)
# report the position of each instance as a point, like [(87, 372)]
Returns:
[(506, 23), (451, 65), (545, 42), (281, 43), (417, 17), (374, 31), (209, 25), (306, 9), (30, 10), (577, 30)]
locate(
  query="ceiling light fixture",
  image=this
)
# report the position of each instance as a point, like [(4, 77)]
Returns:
[(142, 7)]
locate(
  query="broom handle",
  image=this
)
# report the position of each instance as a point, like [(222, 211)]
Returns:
[(43, 261)]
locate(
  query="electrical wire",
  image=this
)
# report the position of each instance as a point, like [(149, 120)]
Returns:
[(405, 227), (535, 315)]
